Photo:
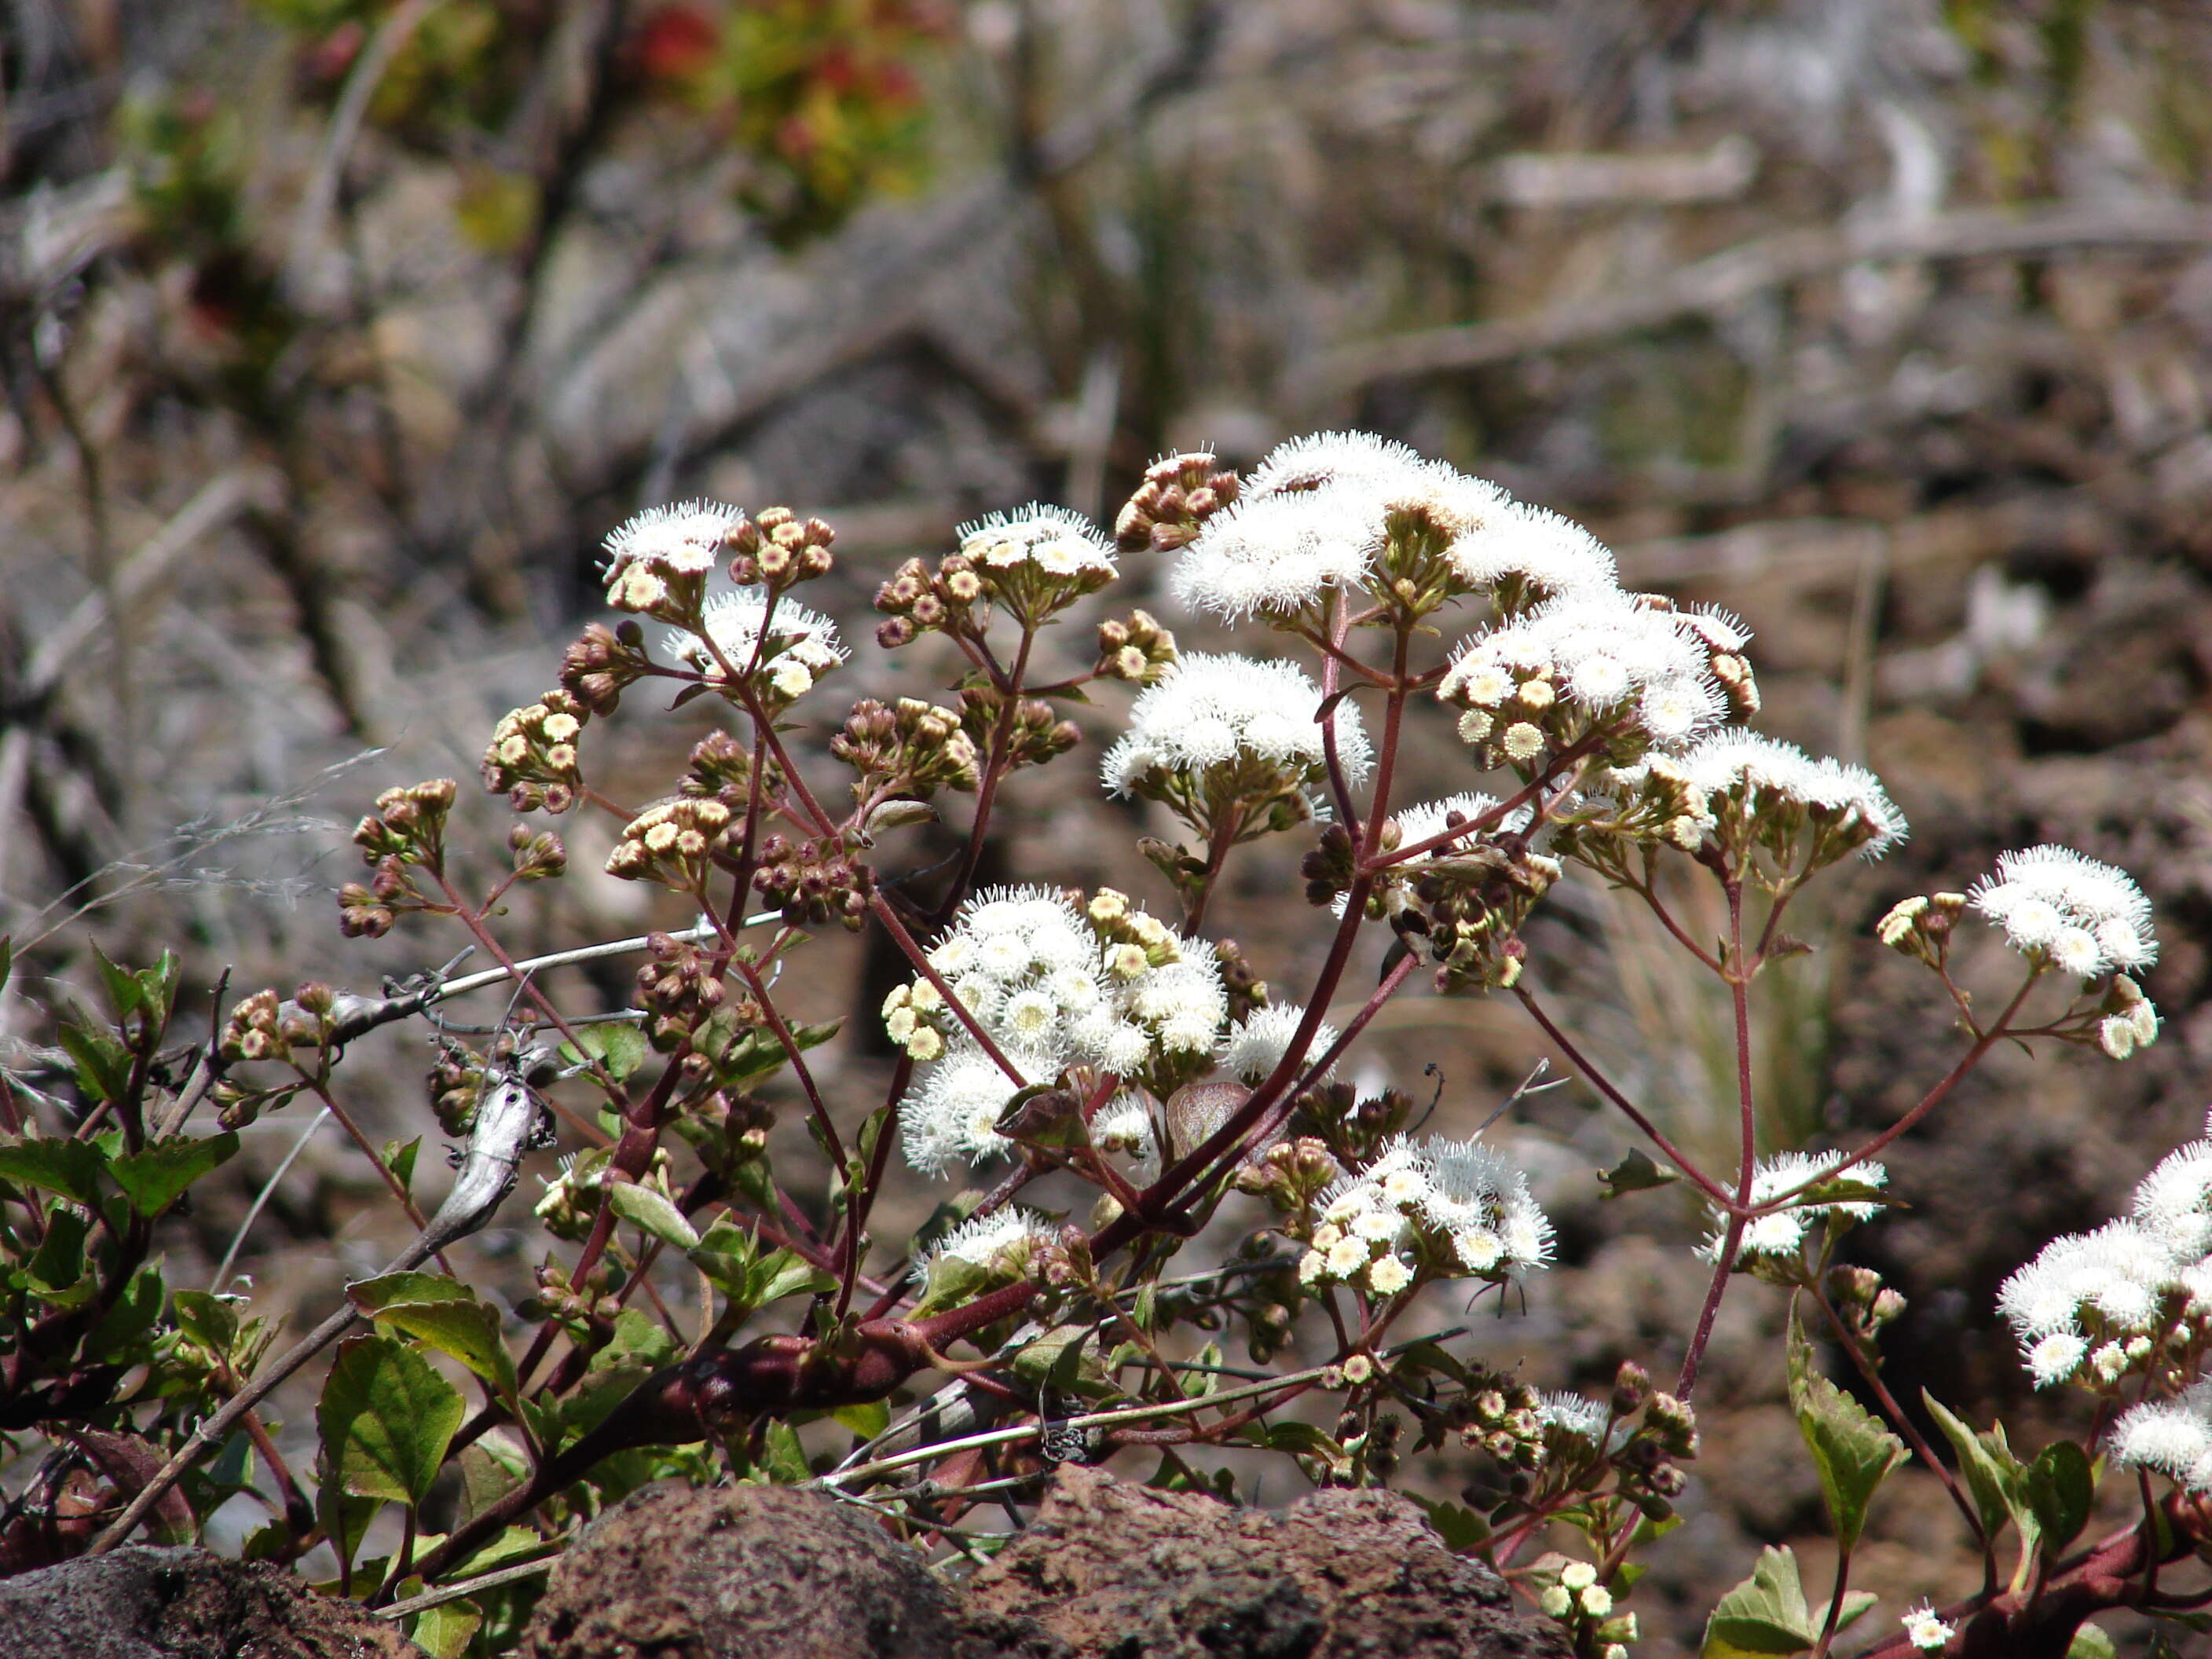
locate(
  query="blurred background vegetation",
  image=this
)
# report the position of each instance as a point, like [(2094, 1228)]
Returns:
[(336, 333)]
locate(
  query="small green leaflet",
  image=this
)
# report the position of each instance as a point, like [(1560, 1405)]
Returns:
[(386, 1418), (1766, 1613)]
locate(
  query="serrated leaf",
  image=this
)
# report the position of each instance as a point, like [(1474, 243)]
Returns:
[(1992, 1473), (1852, 1452), (1635, 1173), (951, 1281), (153, 1179), (622, 1049), (1765, 1613), (71, 1168), (445, 1313), (2062, 1488), (650, 1211), (387, 1418)]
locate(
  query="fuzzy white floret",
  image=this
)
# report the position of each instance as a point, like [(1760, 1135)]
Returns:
[(1209, 711), (797, 638), (1256, 1045), (1554, 555), (2090, 918), (686, 538), (1000, 1240), (1058, 541)]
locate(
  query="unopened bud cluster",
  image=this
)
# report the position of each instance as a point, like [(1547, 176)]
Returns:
[(1135, 648), (1033, 734), (260, 1028), (677, 988), (814, 880), (779, 551), (602, 662), (1178, 495), (532, 758), (908, 748), (409, 824), (671, 843)]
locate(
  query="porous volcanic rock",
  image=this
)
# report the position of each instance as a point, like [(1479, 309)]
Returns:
[(1111, 1570), (143, 1602), (740, 1572)]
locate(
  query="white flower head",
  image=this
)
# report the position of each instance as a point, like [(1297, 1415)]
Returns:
[(1209, 712), (800, 645), (2174, 1201), (1279, 553), (1380, 465), (1746, 766), (2087, 918), (686, 539), (1573, 1417), (1257, 1045), (953, 1115), (1924, 1630), (1002, 1242), (1056, 540), (1551, 557), (1782, 1232), (2172, 1437)]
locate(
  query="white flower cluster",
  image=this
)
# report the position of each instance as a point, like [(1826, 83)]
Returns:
[(686, 539), (1050, 985), (1315, 515), (1759, 773), (2082, 917), (1255, 1045), (1574, 1416), (800, 646), (1214, 712), (1577, 1594), (1783, 1232), (1924, 1630), (1604, 657), (1056, 540), (1455, 1202), (2106, 1300), (1001, 1242)]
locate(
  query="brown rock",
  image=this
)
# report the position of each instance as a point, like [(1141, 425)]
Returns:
[(141, 1602), (742, 1573), (1109, 1568)]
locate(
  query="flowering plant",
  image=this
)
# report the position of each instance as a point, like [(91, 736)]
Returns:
[(1109, 1086)]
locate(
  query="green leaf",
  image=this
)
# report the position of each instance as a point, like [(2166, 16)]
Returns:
[(400, 1160), (866, 1421), (154, 1178), (1992, 1473), (125, 996), (444, 1631), (71, 1168), (1634, 1174), (124, 1326), (1460, 1528), (209, 1321), (445, 1313), (2090, 1643), (650, 1211), (2061, 1487), (1851, 1450), (1055, 1359), (386, 1418), (1765, 1613), (952, 1280), (103, 1065), (785, 1459), (622, 1049), (784, 1274), (57, 1271)]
